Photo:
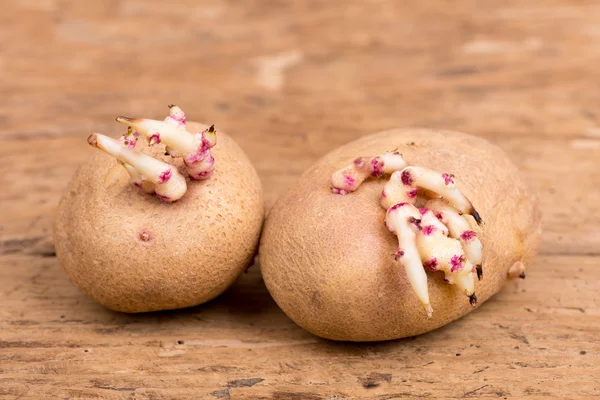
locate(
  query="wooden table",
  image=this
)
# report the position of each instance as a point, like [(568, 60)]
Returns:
[(291, 80)]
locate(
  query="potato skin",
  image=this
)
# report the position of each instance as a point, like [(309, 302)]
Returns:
[(132, 252), (327, 259)]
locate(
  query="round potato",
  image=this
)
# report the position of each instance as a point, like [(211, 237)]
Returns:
[(329, 262), (133, 252)]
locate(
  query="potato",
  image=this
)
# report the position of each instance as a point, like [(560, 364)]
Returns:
[(132, 252), (329, 260)]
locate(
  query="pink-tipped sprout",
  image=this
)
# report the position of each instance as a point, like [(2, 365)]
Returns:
[(169, 184), (448, 256), (201, 164), (395, 192), (349, 178), (442, 184), (176, 116), (403, 220), (195, 148), (459, 228), (130, 138), (177, 119), (429, 219)]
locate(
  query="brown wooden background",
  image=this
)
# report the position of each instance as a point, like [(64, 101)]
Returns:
[(291, 80)]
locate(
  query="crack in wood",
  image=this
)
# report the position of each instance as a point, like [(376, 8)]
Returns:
[(118, 389), (374, 379), (480, 370), (296, 396), (520, 338), (221, 394), (467, 394), (244, 382)]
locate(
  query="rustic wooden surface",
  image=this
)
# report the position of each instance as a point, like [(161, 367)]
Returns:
[(291, 80)]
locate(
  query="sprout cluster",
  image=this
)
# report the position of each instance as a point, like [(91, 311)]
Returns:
[(153, 175), (427, 212)]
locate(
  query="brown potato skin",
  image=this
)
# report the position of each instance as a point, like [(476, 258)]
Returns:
[(327, 259), (195, 248)]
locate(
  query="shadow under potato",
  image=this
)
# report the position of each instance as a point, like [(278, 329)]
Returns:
[(247, 309), (246, 299), (245, 312)]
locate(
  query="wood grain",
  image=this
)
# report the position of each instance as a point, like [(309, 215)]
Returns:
[(291, 81)]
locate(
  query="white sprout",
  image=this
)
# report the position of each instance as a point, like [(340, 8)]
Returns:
[(402, 220), (441, 183), (169, 184), (459, 229), (349, 178), (195, 148)]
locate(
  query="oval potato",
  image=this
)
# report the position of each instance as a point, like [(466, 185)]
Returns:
[(132, 252), (328, 261)]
